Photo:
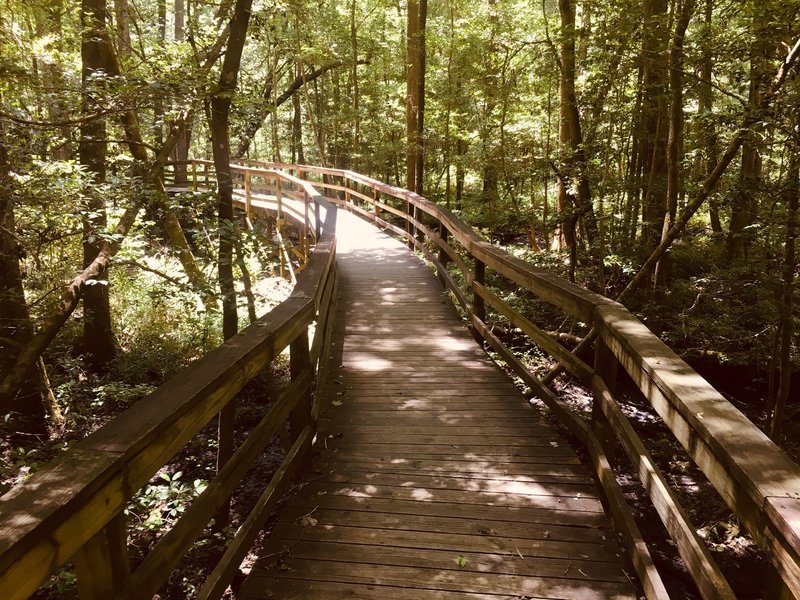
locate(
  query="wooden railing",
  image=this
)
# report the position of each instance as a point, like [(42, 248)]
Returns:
[(74, 508), (751, 474)]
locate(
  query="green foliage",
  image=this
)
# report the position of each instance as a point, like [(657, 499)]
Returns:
[(161, 503), (119, 394)]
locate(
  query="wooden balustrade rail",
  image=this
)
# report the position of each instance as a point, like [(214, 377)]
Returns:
[(759, 483), (74, 508)]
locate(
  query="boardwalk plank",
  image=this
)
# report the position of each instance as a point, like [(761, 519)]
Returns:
[(420, 580), (447, 525)]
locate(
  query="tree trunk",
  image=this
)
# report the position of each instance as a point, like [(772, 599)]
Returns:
[(574, 193), (705, 108), (461, 170), (16, 328), (181, 152), (356, 146), (121, 15), (414, 83), (298, 156), (786, 322), (220, 141), (654, 130), (420, 155), (744, 207), (98, 334), (158, 101), (675, 142), (489, 83)]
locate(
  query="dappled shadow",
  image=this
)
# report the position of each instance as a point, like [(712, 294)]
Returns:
[(434, 477)]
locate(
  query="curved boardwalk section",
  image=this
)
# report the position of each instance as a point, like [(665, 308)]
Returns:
[(433, 477)]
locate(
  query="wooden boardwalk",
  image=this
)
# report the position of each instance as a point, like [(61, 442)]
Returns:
[(433, 477)]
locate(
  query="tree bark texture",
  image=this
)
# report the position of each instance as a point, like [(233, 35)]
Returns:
[(705, 98), (675, 139), (98, 335), (652, 162), (785, 306), (220, 141), (414, 85), (574, 193), (744, 205), (15, 322)]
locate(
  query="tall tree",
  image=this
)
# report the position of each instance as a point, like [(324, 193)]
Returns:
[(98, 334), (785, 330), (653, 127), (220, 108), (16, 328), (490, 88), (181, 152), (744, 205), (415, 89), (574, 194), (705, 107), (685, 10)]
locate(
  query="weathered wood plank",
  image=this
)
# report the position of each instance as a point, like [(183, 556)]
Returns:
[(499, 556), (296, 589), (448, 525), (222, 574), (502, 471), (517, 486), (173, 545), (420, 580), (481, 456), (478, 513)]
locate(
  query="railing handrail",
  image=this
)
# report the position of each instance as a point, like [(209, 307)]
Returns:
[(65, 506), (756, 479)]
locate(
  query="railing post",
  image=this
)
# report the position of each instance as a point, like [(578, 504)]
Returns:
[(776, 588), (444, 258), (279, 197), (248, 208), (306, 226), (299, 361), (194, 176), (376, 196), (478, 306), (410, 223), (605, 367), (317, 219), (102, 563)]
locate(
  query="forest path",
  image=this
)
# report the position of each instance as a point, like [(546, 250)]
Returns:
[(433, 478)]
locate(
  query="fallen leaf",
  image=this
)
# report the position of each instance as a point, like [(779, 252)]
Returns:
[(308, 521)]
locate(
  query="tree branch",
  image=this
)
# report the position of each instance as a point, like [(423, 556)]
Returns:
[(255, 123)]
